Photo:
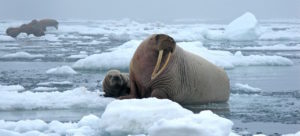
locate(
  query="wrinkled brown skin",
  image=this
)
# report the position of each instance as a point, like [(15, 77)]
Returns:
[(116, 84), (33, 27), (37, 28), (187, 79), (48, 23)]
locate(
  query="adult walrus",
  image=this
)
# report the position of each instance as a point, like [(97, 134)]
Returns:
[(183, 77), (34, 27), (116, 84)]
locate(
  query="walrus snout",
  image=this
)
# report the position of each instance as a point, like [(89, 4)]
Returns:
[(116, 80), (167, 44)]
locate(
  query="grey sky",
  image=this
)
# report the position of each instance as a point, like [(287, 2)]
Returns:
[(154, 10)]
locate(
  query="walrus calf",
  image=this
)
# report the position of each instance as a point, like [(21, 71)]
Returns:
[(183, 77), (35, 27), (116, 84)]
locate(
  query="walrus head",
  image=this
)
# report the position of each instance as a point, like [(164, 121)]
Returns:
[(13, 32), (113, 84), (162, 44)]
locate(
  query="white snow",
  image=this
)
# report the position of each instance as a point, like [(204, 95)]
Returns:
[(242, 28), (22, 55), (120, 57), (76, 98), (11, 88), (44, 89), (62, 70)]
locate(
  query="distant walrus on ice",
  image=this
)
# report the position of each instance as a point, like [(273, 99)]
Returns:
[(37, 28), (116, 84), (183, 77)]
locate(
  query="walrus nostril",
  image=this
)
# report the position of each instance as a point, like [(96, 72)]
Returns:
[(116, 78)]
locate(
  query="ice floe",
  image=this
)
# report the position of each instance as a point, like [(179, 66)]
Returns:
[(277, 47), (11, 88), (244, 88), (205, 123), (150, 116), (44, 89), (120, 57), (63, 83), (6, 38), (62, 70), (22, 55), (242, 28), (76, 98)]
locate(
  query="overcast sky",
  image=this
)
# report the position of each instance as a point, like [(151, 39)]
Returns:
[(153, 10)]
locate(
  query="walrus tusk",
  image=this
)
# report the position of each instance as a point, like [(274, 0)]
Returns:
[(160, 54), (155, 73)]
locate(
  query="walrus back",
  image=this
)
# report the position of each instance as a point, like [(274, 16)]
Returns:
[(200, 81)]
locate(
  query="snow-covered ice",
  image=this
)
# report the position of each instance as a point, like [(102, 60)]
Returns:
[(136, 116), (63, 83), (6, 38), (76, 98), (22, 55), (62, 70), (205, 123), (11, 88), (118, 57), (150, 116), (122, 55), (243, 28), (276, 47), (244, 88), (44, 89)]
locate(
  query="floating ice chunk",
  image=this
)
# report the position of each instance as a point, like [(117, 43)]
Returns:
[(11, 88), (6, 38), (273, 47), (4, 132), (296, 134), (136, 116), (44, 89), (118, 57), (63, 83), (24, 125), (242, 28), (76, 98), (280, 36), (61, 128), (228, 60), (79, 56), (22, 55), (63, 70), (244, 88), (205, 123)]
